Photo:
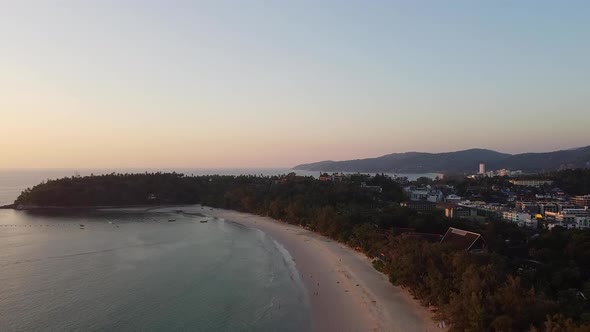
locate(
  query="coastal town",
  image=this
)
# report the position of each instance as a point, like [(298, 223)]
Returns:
[(532, 202), (527, 200)]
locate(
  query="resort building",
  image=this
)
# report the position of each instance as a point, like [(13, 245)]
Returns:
[(577, 212), (531, 183), (551, 225), (567, 215), (452, 198), (458, 211), (581, 201), (517, 217), (582, 222), (462, 239), (418, 194), (435, 196), (422, 205), (543, 207), (578, 223), (377, 189), (424, 194)]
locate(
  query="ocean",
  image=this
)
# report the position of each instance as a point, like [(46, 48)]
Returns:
[(14, 181), (135, 270)]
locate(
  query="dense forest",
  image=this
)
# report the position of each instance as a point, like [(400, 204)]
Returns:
[(524, 280), (572, 181)]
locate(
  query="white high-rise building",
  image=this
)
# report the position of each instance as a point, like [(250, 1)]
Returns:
[(482, 168)]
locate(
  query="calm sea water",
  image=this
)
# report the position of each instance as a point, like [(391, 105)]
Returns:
[(13, 182), (133, 270)]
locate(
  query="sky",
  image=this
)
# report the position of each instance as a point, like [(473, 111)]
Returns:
[(88, 84)]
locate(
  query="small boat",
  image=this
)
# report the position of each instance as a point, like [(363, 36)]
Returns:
[(81, 225), (204, 221), (171, 220)]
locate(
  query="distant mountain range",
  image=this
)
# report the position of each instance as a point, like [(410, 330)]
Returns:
[(458, 162)]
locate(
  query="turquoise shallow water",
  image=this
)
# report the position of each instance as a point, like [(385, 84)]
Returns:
[(129, 270)]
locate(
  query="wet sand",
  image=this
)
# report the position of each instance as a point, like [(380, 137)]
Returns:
[(346, 292)]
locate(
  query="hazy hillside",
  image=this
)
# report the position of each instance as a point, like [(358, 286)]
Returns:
[(547, 161), (459, 161)]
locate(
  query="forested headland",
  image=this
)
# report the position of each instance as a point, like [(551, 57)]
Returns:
[(524, 280)]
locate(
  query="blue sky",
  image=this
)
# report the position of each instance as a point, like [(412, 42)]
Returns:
[(276, 83)]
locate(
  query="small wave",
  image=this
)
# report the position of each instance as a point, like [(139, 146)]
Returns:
[(80, 254), (263, 312)]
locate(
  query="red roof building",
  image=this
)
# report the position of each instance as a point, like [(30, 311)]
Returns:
[(462, 239)]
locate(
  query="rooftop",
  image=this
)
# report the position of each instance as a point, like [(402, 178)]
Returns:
[(462, 239)]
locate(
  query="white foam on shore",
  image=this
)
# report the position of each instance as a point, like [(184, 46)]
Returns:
[(345, 291)]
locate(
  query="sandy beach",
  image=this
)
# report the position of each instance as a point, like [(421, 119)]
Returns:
[(346, 292)]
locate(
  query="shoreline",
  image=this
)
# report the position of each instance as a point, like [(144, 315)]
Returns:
[(346, 293)]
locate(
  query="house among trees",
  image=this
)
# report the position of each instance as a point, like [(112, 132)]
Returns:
[(377, 189), (419, 206), (288, 178), (335, 177), (464, 240)]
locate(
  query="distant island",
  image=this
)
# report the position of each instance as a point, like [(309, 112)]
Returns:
[(517, 279), (457, 162)]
